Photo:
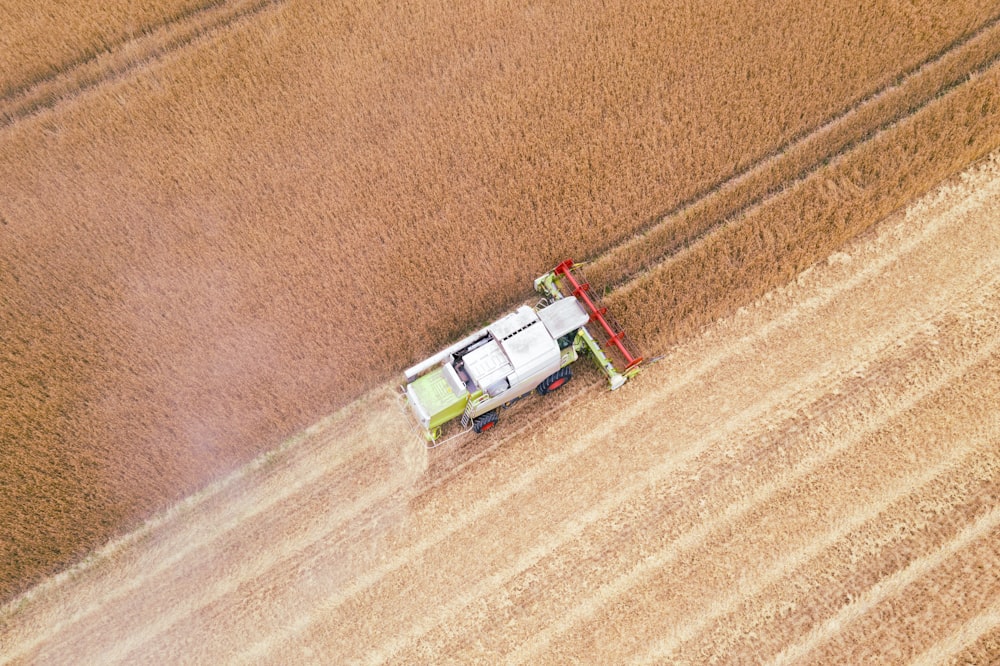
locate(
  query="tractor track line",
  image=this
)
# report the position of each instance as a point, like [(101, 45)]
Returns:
[(872, 271), (496, 603), (15, 90), (247, 570), (976, 289), (664, 260), (554, 461), (576, 524), (273, 491), (978, 531), (963, 638), (607, 264), (903, 488), (697, 535), (536, 554), (126, 57)]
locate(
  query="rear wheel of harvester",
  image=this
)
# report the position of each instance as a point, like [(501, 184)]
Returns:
[(484, 422), (555, 380)]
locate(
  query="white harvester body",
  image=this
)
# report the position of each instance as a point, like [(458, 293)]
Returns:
[(527, 349)]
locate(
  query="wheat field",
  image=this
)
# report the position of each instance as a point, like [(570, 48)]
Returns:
[(220, 222), (812, 479)]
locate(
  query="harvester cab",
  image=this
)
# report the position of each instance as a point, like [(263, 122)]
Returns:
[(528, 349)]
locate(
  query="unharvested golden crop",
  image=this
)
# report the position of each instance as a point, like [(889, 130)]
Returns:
[(204, 253), (45, 38), (773, 241)]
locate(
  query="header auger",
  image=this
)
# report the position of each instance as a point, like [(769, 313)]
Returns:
[(528, 349)]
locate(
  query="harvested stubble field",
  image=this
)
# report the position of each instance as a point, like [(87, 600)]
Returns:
[(746, 499), (220, 229)]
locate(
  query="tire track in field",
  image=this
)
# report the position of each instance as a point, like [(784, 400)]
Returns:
[(890, 338), (127, 57), (687, 526), (948, 649), (539, 470), (983, 532), (654, 244), (762, 624), (14, 89), (406, 563), (971, 454), (232, 508)]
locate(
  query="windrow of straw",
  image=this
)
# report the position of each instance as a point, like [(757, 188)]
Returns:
[(203, 254)]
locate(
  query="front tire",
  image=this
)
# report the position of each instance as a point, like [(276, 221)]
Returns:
[(554, 381), (485, 422)]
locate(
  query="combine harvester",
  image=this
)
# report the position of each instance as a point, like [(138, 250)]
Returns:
[(528, 349)]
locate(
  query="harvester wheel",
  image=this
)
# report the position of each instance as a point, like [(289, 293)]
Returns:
[(554, 381), (484, 422)]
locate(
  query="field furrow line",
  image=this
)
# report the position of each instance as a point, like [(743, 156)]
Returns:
[(949, 647), (961, 459), (942, 214), (759, 626), (983, 530), (189, 534), (128, 57), (185, 589), (693, 220), (12, 91), (834, 440), (476, 510), (905, 623), (577, 520), (740, 555)]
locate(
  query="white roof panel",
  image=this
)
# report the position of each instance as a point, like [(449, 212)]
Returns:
[(563, 316), (487, 364), (531, 349), (506, 326)]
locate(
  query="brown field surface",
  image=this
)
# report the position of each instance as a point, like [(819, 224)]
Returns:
[(814, 478), (41, 40), (221, 221)]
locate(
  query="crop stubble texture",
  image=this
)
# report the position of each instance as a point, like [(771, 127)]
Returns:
[(204, 256), (748, 497)]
